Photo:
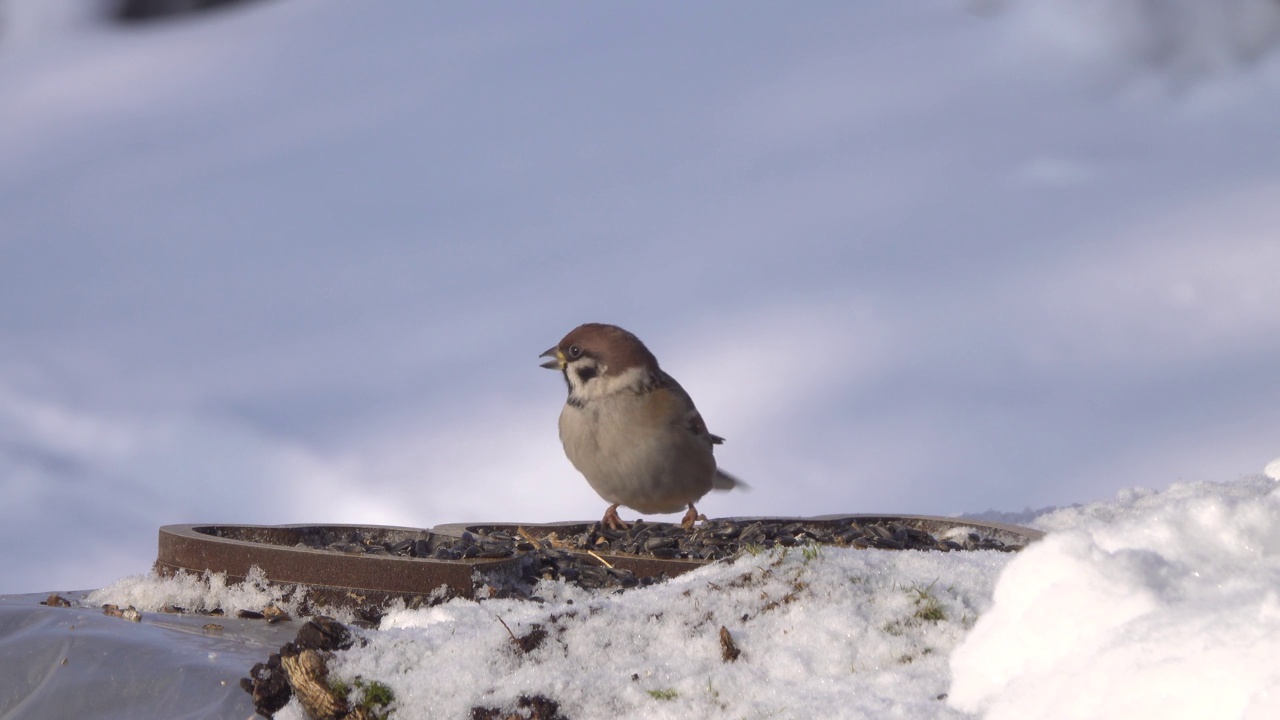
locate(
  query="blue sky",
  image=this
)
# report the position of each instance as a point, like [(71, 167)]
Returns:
[(295, 262)]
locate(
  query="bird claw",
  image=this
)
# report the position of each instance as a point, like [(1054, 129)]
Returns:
[(611, 519), (691, 517)]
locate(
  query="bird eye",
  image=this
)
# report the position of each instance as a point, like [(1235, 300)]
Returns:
[(575, 352)]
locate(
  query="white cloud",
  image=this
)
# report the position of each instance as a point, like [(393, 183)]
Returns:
[(1181, 285), (1182, 40)]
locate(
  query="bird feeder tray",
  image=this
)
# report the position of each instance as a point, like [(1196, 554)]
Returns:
[(358, 565), (287, 555)]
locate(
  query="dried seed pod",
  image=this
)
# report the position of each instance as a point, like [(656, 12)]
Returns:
[(729, 651)]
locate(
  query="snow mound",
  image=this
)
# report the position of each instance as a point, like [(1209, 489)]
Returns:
[(815, 629), (202, 593), (1272, 470), (1139, 504), (1158, 605)]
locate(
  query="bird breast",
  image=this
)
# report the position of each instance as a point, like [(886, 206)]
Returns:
[(631, 451)]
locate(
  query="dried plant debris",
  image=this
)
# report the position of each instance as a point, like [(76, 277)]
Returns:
[(56, 600), (268, 685), (724, 539), (300, 670), (535, 707), (579, 554), (554, 564), (587, 555), (380, 541), (274, 613), (322, 698), (528, 642), (711, 540), (308, 676), (324, 633), (729, 651), (129, 613)]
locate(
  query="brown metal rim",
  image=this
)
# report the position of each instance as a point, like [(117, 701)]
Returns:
[(284, 557), (277, 550)]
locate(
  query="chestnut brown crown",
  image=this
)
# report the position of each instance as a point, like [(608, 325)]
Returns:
[(613, 349)]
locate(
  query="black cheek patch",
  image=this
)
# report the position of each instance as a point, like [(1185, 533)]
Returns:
[(586, 373)]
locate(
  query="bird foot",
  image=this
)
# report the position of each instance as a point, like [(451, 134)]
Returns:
[(692, 517), (611, 519)]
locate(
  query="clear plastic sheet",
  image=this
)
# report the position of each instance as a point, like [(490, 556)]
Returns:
[(76, 662)]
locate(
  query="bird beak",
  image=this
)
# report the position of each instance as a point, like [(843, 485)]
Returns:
[(557, 360)]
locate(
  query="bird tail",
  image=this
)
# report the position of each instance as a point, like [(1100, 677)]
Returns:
[(725, 481)]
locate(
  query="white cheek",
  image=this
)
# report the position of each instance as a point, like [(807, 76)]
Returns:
[(603, 384), (628, 379), (579, 388)]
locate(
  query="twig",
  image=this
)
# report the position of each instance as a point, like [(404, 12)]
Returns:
[(514, 639)]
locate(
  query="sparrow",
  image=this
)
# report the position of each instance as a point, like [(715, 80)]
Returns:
[(629, 427)]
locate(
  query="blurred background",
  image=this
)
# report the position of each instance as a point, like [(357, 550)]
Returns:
[(285, 261)]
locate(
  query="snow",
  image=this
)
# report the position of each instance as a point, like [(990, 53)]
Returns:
[(813, 633), (1158, 603), (293, 261), (195, 593)]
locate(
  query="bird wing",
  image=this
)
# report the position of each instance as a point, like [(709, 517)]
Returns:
[(696, 425), (692, 418)]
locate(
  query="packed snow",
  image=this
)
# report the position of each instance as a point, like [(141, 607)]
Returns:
[(1157, 604), (195, 593), (292, 261)]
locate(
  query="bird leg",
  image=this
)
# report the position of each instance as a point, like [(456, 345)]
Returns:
[(611, 519), (692, 517)]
